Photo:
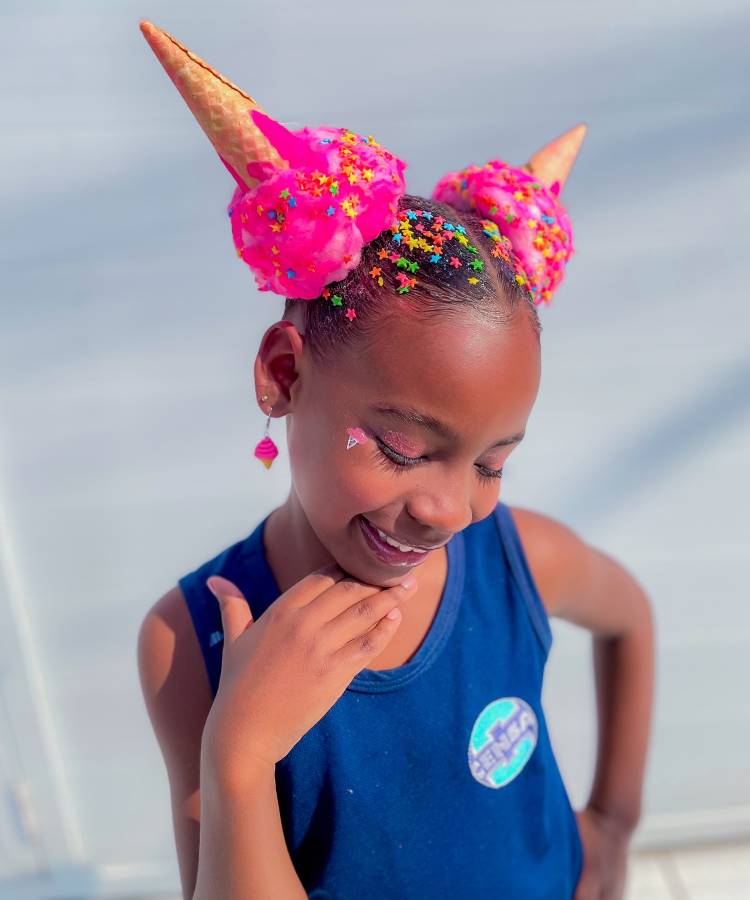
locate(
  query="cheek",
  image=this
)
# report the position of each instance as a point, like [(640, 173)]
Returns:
[(330, 478), (366, 483), (358, 475)]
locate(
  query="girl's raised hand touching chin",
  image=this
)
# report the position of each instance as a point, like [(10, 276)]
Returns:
[(281, 674)]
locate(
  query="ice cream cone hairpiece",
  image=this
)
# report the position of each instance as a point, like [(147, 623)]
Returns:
[(308, 201), (524, 205)]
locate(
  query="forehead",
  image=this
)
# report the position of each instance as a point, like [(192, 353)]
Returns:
[(459, 370)]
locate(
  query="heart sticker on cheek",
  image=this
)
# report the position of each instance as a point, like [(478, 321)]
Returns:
[(356, 436)]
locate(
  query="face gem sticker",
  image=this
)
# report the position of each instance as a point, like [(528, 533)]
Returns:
[(356, 436), (502, 740)]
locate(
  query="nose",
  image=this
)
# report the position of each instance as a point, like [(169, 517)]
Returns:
[(442, 508)]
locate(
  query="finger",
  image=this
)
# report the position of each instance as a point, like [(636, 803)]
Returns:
[(309, 587), (344, 594), (358, 652), (235, 611), (360, 616)]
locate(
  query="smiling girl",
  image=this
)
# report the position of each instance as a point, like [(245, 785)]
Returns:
[(348, 700)]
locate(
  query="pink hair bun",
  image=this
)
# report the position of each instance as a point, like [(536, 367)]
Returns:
[(524, 210), (307, 201), (303, 227)]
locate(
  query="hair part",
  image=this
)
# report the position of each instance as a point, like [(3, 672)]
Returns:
[(496, 299)]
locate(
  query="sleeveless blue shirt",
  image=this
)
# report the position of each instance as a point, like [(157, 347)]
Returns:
[(437, 778)]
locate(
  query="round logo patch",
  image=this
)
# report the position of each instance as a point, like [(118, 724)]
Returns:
[(502, 740)]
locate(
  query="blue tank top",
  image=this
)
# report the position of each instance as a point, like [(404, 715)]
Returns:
[(436, 778)]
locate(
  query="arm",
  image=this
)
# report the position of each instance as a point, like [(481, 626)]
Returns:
[(589, 588), (243, 852), (228, 837), (624, 672)]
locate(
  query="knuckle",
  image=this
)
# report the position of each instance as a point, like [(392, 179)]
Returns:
[(349, 585), (365, 608), (366, 643), (306, 642), (321, 668), (295, 628)]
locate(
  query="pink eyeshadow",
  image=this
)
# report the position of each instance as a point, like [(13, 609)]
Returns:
[(401, 443)]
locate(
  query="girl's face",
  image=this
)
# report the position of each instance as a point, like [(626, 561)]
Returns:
[(473, 386)]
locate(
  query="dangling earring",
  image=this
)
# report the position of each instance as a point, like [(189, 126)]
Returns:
[(265, 450)]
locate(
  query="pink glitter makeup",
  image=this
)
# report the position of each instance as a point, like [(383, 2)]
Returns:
[(401, 443)]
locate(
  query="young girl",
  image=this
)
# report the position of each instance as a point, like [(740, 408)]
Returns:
[(348, 700)]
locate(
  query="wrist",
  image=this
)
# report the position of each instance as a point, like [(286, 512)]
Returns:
[(623, 823), (227, 773)]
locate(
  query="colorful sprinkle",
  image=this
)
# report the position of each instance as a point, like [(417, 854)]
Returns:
[(537, 235)]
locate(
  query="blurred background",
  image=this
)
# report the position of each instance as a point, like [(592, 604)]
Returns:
[(127, 410)]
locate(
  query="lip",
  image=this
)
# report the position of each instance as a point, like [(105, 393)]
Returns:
[(385, 552), (408, 543)]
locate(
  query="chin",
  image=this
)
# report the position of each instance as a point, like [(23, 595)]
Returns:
[(358, 570)]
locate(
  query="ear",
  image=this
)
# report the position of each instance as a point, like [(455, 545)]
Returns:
[(277, 366), (554, 161)]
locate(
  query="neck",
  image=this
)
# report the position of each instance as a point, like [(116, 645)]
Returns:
[(292, 547)]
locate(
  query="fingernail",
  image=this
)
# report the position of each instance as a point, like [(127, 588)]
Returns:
[(409, 582), (218, 585)]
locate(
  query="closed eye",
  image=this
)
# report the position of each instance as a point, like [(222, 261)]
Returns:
[(397, 462)]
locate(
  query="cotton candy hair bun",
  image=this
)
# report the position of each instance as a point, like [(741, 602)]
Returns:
[(303, 227), (524, 210), (306, 202)]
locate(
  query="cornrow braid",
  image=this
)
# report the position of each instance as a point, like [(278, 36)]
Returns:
[(464, 265)]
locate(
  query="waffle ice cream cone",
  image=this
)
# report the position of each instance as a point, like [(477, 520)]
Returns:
[(221, 108), (555, 160)]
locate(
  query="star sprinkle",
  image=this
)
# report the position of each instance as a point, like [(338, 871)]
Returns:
[(404, 232), (526, 212), (285, 206)]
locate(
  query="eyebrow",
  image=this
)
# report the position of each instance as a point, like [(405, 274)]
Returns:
[(425, 420)]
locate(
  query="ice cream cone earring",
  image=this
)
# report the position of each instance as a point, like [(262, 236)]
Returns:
[(265, 450)]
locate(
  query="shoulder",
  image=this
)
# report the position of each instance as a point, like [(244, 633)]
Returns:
[(578, 582), (171, 669), (561, 563)]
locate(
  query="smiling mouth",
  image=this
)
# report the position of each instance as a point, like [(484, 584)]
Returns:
[(391, 541), (385, 552)]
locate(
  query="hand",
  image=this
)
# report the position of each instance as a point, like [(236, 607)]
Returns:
[(605, 855), (281, 674)]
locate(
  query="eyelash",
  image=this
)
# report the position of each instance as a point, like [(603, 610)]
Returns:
[(396, 462)]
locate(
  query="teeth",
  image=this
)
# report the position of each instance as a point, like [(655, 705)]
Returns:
[(389, 540)]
